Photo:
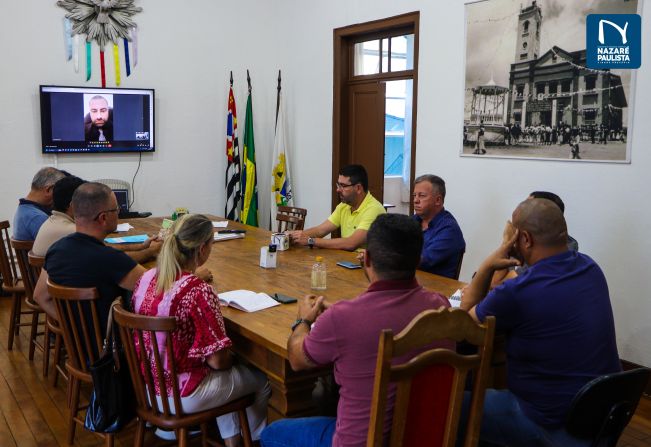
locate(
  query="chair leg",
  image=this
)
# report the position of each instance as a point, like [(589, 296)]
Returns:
[(46, 350), (33, 334), (73, 405), (182, 437), (204, 435), (108, 439), (244, 428), (139, 441), (15, 314), (57, 359)]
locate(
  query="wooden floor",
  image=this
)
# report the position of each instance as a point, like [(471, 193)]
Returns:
[(32, 411)]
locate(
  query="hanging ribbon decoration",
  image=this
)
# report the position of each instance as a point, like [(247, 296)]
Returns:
[(88, 60), (116, 63), (75, 52), (126, 56), (134, 42), (67, 37), (105, 22), (102, 67)]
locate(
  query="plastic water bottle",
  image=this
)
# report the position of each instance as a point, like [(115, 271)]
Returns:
[(319, 274)]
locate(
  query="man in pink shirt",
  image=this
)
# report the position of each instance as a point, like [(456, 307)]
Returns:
[(346, 334)]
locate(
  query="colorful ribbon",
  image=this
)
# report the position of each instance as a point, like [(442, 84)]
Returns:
[(102, 67), (88, 60), (116, 63), (75, 52), (67, 37), (126, 56), (134, 43)]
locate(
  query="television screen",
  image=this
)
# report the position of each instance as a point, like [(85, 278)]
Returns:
[(83, 120)]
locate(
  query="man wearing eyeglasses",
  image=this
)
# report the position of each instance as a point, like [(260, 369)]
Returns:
[(82, 260), (444, 244), (354, 215)]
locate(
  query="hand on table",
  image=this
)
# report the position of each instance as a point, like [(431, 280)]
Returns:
[(310, 307), (298, 237)]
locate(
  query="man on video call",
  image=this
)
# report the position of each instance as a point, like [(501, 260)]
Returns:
[(98, 124)]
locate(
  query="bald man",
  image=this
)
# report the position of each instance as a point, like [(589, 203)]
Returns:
[(558, 322)]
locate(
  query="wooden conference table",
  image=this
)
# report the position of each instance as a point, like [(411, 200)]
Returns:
[(261, 337)]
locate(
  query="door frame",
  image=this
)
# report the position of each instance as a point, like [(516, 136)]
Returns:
[(344, 39)]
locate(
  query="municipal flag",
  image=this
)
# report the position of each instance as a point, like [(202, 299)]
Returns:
[(281, 185)]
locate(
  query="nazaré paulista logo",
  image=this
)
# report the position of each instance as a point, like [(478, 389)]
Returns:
[(613, 41)]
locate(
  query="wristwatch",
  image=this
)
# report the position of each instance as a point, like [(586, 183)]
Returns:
[(299, 321), (310, 242)]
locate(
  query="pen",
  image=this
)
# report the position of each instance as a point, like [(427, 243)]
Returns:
[(231, 231)]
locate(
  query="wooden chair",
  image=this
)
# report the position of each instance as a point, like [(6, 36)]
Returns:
[(458, 270), (51, 327), (430, 386), (134, 327), (30, 275), (601, 410), (12, 284), (290, 218), (83, 336)]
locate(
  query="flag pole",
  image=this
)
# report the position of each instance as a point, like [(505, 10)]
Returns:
[(248, 79), (278, 97), (231, 78)]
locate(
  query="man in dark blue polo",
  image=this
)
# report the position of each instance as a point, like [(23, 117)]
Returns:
[(558, 321), (443, 245)]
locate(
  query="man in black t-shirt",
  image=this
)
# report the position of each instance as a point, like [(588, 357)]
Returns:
[(82, 260)]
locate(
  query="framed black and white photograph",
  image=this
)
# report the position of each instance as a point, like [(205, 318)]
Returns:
[(528, 91)]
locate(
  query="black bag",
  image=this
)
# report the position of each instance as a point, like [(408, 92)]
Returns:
[(111, 404)]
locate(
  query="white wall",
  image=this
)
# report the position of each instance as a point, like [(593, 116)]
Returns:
[(186, 53), (606, 208)]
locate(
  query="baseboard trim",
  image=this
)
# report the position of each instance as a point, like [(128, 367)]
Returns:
[(626, 366)]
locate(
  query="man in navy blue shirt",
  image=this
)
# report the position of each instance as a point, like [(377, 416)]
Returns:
[(559, 327), (443, 245), (36, 207)]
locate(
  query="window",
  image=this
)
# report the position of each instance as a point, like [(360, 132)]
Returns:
[(523, 56), (590, 82), (566, 86), (520, 90), (384, 55), (540, 88), (524, 45), (525, 26), (553, 87), (398, 111)]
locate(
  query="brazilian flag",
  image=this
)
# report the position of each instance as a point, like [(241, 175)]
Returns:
[(249, 214)]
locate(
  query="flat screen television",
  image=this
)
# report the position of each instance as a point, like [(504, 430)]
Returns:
[(96, 120)]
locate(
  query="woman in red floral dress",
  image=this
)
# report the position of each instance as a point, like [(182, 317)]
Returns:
[(206, 374)]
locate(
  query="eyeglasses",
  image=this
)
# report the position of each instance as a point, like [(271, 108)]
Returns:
[(112, 210), (343, 185)]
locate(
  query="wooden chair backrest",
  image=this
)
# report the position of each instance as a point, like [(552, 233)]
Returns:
[(430, 386), (148, 331), (79, 320), (27, 272), (458, 271), (37, 262), (290, 218), (7, 265)]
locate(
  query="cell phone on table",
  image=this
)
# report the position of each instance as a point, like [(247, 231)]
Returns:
[(283, 299), (349, 265)]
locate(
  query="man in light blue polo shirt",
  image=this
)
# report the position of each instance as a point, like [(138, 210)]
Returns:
[(36, 207)]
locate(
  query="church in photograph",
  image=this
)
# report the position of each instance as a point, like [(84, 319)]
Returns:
[(555, 87)]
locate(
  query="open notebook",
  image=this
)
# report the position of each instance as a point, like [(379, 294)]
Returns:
[(247, 300)]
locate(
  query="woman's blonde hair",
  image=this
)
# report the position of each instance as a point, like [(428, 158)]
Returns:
[(180, 247)]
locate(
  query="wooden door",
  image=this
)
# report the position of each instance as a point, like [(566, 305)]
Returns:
[(366, 111)]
